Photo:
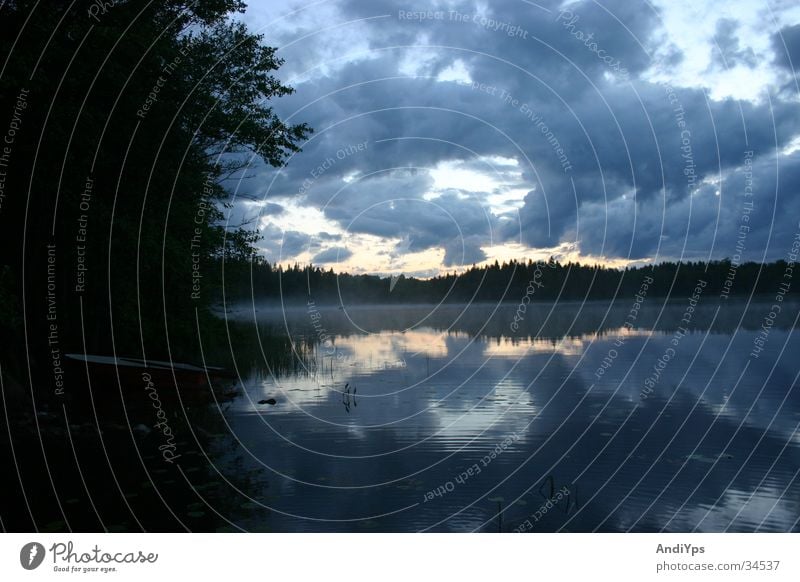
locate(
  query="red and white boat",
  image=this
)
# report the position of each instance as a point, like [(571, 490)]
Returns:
[(133, 372)]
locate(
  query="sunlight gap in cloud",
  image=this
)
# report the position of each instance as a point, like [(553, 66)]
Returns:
[(691, 28)]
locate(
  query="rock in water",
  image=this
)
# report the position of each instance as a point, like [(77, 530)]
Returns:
[(268, 401)]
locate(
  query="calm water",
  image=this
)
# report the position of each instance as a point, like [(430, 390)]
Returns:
[(444, 419)]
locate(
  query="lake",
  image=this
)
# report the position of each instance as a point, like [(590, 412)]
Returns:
[(571, 417)]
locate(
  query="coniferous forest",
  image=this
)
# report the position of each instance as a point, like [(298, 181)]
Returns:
[(542, 281)]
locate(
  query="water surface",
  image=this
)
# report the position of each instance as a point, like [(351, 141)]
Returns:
[(431, 418)]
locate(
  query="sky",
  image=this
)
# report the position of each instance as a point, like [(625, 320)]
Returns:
[(456, 133)]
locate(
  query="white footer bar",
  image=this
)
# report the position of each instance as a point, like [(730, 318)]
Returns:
[(423, 557)]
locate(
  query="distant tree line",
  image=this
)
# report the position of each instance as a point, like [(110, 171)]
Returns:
[(509, 281)]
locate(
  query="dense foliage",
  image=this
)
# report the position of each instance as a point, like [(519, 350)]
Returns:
[(126, 117)]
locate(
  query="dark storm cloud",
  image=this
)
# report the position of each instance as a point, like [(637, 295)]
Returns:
[(283, 245), (637, 145), (787, 47), (711, 222), (728, 51), (391, 204), (333, 255), (594, 151), (272, 209), (464, 252)]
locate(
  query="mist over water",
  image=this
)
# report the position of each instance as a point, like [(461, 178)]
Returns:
[(442, 419)]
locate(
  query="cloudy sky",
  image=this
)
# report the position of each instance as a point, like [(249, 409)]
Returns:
[(453, 133)]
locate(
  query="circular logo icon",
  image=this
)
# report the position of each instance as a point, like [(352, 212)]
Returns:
[(31, 555)]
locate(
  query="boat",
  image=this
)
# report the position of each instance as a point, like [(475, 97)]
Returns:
[(138, 373)]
